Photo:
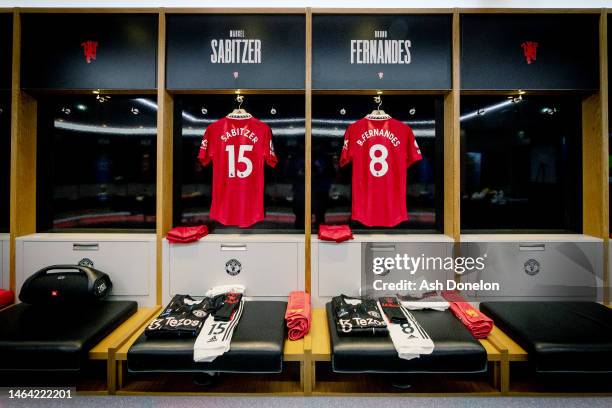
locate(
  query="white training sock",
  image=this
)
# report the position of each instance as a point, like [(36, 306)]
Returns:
[(409, 339), (215, 337)]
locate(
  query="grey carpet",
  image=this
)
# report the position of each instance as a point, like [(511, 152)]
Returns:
[(302, 402)]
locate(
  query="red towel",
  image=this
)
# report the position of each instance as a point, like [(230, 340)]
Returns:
[(476, 322), (338, 233), (6, 297), (298, 315), (184, 235)]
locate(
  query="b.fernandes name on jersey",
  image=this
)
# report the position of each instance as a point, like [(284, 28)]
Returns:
[(378, 132)]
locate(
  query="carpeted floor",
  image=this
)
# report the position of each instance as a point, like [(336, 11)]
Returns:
[(331, 402)]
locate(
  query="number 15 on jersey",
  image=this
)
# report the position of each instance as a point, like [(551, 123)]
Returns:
[(231, 160)]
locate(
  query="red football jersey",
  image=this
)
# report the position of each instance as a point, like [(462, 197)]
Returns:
[(238, 149), (381, 151)]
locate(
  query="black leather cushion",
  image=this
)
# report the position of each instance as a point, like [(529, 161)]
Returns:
[(559, 336), (456, 350), (56, 338), (257, 346)]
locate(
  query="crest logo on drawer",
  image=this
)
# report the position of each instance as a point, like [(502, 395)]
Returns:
[(233, 267), (86, 262), (532, 267)]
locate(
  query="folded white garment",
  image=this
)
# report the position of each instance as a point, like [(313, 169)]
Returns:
[(409, 338), (217, 290), (432, 302)]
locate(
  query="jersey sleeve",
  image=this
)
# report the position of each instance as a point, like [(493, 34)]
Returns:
[(346, 156), (205, 155), (414, 152), (270, 154)]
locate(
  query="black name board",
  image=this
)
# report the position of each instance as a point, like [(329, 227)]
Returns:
[(382, 52), (89, 51), (6, 50), (535, 52), (223, 51)]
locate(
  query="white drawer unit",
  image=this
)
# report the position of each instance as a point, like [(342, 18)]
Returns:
[(346, 268), (5, 279), (270, 266), (129, 260), (536, 267), (339, 268)]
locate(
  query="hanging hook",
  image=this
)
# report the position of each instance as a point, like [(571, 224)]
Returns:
[(240, 100), (378, 100)]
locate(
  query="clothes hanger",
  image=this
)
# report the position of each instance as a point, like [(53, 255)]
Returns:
[(239, 113), (378, 114)]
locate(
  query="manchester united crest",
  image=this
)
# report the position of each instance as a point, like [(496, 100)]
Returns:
[(233, 267)]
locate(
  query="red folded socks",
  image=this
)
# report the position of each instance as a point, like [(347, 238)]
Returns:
[(476, 322), (338, 233), (185, 235), (298, 315), (6, 297)]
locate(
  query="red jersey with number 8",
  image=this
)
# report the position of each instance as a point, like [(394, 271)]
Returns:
[(239, 149), (381, 151)]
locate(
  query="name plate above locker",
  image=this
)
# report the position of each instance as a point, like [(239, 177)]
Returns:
[(533, 52), (89, 51), (222, 51), (382, 52), (6, 47)]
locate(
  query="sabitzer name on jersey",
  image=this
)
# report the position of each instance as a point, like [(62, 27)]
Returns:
[(239, 132), (380, 50), (235, 50)]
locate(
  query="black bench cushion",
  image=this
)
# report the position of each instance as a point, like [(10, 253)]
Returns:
[(559, 336), (39, 338), (257, 346), (456, 350)]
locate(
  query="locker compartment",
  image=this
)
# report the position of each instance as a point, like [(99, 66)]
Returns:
[(347, 267), (421, 250), (129, 261), (194, 268), (339, 268), (548, 268)]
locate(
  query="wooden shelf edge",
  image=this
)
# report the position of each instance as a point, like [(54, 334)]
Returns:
[(507, 346), (121, 334), (122, 349)]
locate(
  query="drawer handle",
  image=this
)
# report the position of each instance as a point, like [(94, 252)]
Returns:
[(240, 247), (532, 247), (383, 248), (85, 247)]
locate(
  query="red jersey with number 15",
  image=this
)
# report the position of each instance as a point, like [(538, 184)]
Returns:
[(381, 151), (238, 148)]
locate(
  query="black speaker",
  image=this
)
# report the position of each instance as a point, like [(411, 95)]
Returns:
[(61, 284)]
